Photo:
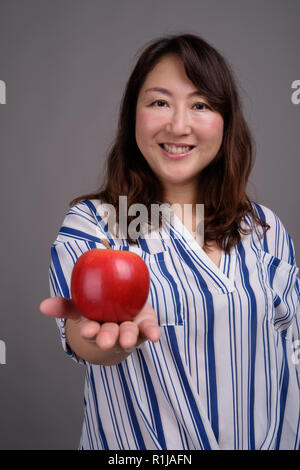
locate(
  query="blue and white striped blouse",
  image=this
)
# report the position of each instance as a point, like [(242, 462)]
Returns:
[(225, 373)]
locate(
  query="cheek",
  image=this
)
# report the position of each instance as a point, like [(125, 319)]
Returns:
[(212, 129), (146, 126), (143, 125)]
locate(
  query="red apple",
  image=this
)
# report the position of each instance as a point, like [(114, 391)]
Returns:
[(109, 285)]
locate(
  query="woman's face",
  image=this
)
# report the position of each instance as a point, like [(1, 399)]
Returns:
[(170, 116)]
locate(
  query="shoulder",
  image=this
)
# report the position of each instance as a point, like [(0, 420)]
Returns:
[(86, 206), (83, 221), (267, 215), (277, 240)]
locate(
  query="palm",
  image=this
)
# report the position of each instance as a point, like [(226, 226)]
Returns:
[(127, 334)]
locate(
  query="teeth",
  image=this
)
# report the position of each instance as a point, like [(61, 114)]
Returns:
[(175, 149)]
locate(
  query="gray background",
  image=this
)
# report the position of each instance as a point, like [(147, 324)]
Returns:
[(65, 64)]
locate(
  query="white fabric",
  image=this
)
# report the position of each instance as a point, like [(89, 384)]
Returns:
[(224, 373)]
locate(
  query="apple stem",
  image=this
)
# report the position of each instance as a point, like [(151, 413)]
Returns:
[(106, 244)]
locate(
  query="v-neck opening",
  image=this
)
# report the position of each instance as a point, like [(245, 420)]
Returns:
[(191, 243)]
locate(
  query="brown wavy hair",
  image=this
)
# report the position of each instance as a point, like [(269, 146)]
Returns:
[(222, 184)]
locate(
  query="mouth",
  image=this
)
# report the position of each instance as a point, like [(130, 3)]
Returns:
[(176, 151)]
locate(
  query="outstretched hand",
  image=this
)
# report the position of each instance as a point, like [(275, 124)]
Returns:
[(127, 335)]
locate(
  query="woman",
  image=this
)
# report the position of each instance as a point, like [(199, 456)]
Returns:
[(208, 362)]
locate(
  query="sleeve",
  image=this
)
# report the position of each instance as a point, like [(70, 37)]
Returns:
[(296, 334), (82, 229), (277, 241), (279, 255)]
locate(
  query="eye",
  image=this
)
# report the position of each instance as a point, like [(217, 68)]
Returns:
[(158, 103), (201, 106), (162, 103)]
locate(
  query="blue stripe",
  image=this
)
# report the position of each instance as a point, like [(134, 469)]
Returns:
[(291, 259), (109, 402), (263, 217), (143, 244), (74, 233), (169, 277), (59, 273), (91, 245), (283, 394), (103, 226), (234, 374), (157, 360), (100, 426), (252, 345), (197, 261), (209, 319), (53, 283), (277, 301), (140, 441), (123, 420), (189, 393), (154, 404)]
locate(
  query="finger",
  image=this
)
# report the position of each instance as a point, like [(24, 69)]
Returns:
[(89, 329), (108, 335), (146, 311), (59, 307), (147, 322), (129, 333), (149, 329)]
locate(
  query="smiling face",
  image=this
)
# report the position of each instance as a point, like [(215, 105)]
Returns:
[(171, 115)]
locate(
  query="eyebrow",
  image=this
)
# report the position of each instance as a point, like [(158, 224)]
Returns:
[(167, 92)]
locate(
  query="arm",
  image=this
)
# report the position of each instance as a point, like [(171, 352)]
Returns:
[(104, 344)]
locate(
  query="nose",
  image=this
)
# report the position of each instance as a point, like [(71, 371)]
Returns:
[(178, 123)]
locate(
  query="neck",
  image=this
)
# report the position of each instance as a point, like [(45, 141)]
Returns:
[(181, 195), (185, 204)]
